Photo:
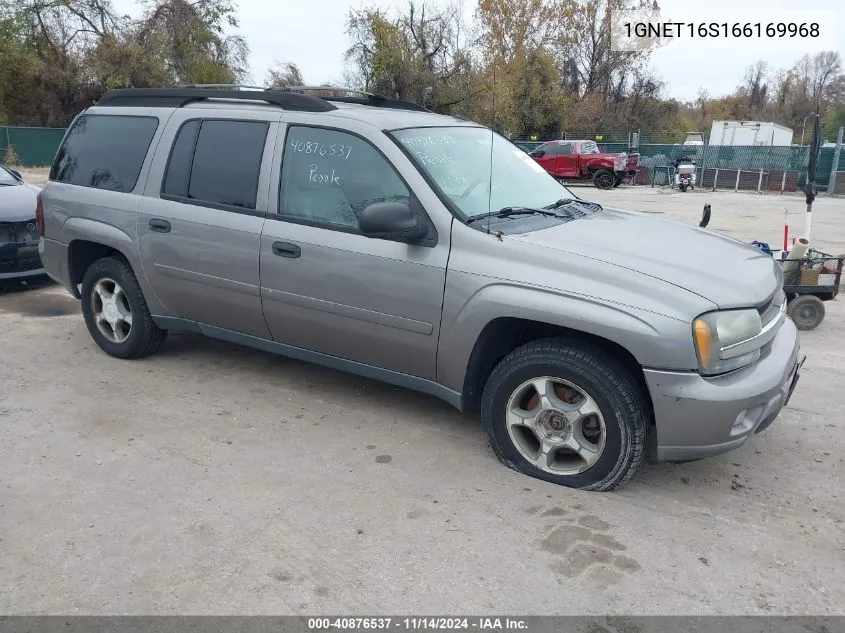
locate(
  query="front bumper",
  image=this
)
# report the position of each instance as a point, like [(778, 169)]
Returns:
[(20, 260), (698, 417)]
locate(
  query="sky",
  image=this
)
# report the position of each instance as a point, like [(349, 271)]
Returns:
[(312, 35)]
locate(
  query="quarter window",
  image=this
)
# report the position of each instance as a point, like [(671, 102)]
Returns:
[(329, 177), (104, 151), (216, 162)]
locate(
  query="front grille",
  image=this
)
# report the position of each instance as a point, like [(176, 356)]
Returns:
[(772, 309), (20, 265)]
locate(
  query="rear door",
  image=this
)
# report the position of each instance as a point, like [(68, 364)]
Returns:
[(199, 226)]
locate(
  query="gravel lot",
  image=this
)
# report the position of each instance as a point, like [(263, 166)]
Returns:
[(214, 479)]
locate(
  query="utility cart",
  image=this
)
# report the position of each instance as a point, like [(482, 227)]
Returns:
[(808, 283)]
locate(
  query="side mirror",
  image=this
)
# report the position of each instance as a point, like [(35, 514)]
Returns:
[(537, 153), (392, 221)]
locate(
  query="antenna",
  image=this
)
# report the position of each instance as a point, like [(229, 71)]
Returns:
[(490, 180)]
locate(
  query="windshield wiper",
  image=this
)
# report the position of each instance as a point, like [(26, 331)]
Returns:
[(560, 203), (507, 212)]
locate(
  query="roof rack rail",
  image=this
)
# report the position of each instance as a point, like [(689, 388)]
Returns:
[(179, 97), (366, 98), (224, 86)]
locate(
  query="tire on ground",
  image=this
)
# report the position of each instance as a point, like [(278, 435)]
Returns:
[(621, 400), (604, 179), (806, 311), (145, 337)]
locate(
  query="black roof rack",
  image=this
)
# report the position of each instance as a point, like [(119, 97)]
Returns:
[(178, 97), (289, 98), (364, 98)]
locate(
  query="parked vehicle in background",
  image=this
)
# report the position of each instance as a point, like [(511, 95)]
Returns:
[(684, 173), (750, 133), (18, 232), (373, 236), (694, 138), (583, 160)]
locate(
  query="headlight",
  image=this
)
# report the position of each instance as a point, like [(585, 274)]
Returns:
[(717, 336)]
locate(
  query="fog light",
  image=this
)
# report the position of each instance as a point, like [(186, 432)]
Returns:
[(743, 423)]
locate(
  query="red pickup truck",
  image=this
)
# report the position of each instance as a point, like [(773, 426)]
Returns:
[(582, 160)]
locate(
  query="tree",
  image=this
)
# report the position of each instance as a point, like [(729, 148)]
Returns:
[(510, 29), (416, 55), (833, 121), (60, 55), (284, 76), (755, 88), (190, 38)]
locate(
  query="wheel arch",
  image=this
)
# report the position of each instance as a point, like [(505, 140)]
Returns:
[(89, 240), (502, 335), (81, 254)]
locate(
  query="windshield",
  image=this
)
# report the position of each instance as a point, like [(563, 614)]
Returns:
[(459, 161), (6, 178)]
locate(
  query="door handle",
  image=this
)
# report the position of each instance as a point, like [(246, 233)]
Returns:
[(286, 249), (160, 226)]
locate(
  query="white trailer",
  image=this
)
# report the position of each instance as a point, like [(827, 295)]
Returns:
[(750, 133)]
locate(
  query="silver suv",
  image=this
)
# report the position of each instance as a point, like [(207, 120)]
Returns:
[(373, 236)]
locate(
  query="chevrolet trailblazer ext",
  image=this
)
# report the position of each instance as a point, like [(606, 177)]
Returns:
[(373, 236)]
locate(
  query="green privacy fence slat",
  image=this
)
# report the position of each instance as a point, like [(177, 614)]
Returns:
[(34, 146)]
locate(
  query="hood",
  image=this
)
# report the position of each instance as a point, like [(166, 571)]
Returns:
[(718, 268), (17, 202)]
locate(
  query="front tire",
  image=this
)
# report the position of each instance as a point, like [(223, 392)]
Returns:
[(604, 179), (566, 412), (116, 312)]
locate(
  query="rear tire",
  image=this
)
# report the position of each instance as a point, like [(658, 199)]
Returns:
[(116, 312), (806, 311), (604, 179), (589, 430)]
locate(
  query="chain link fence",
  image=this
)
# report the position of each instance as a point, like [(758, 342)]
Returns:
[(735, 168)]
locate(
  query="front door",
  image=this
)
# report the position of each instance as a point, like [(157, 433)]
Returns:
[(567, 161), (327, 288), (199, 232), (548, 158)]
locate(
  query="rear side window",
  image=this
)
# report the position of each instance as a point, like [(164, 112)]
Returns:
[(216, 163), (104, 151)]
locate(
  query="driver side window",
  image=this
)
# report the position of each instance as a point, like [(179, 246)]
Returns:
[(329, 177)]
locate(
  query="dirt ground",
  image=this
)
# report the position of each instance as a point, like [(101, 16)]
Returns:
[(214, 479)]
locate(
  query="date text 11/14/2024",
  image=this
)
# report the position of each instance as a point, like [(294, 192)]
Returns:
[(417, 624)]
